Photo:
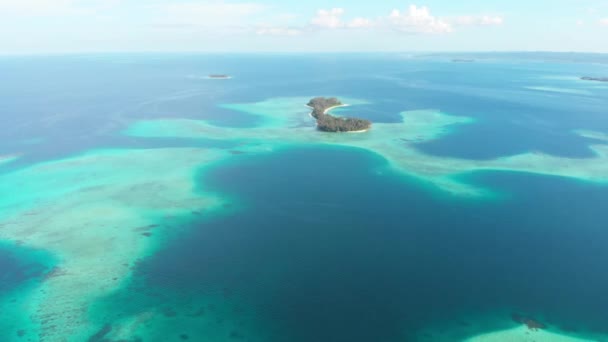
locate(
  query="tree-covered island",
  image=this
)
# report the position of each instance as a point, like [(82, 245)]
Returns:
[(329, 123)]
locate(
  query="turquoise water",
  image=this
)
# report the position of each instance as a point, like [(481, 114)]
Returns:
[(327, 249), (327, 243)]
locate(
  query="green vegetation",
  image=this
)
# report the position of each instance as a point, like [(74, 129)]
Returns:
[(329, 123)]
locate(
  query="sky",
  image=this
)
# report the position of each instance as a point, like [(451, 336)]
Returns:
[(80, 26)]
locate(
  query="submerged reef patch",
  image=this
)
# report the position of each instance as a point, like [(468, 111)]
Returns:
[(87, 211), (531, 323)]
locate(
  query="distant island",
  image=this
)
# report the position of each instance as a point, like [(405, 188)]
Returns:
[(463, 60), (599, 79), (219, 76), (329, 123)]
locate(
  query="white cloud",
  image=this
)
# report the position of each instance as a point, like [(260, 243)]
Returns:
[(324, 20), (414, 20), (330, 19), (604, 22), (417, 20), (484, 20)]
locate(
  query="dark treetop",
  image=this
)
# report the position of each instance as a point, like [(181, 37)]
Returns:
[(601, 79), (329, 123)]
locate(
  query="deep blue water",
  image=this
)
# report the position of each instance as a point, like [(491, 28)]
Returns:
[(20, 266), (324, 243)]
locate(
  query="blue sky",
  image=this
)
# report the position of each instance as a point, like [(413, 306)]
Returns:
[(58, 26)]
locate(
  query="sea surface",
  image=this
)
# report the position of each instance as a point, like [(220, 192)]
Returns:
[(327, 243)]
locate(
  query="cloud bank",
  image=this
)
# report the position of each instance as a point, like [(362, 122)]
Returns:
[(125, 25), (412, 20)]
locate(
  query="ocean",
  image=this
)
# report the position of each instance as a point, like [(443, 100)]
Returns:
[(145, 202)]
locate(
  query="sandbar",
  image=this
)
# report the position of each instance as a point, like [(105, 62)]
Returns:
[(7, 159)]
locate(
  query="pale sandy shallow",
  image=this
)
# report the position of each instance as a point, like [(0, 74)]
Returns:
[(207, 77), (497, 326), (559, 90), (7, 159), (592, 134), (523, 334), (218, 78), (88, 211)]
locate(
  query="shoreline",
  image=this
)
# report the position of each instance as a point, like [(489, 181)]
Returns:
[(327, 109), (334, 107), (357, 132)]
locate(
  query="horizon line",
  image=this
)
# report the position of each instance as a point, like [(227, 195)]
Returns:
[(279, 52)]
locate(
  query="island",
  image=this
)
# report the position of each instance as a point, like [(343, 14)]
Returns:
[(329, 123), (219, 76), (599, 79), (463, 60)]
